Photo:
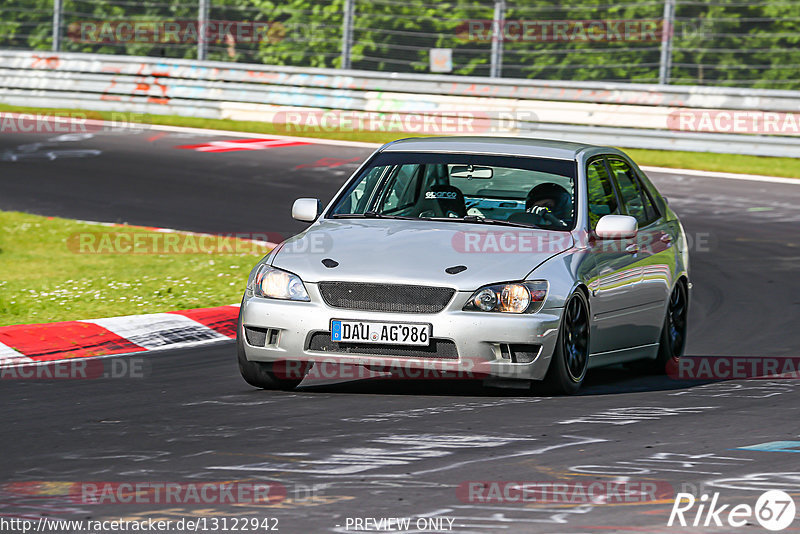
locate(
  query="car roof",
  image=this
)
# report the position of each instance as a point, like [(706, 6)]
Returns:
[(510, 146)]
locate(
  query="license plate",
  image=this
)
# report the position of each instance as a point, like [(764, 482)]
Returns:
[(380, 332)]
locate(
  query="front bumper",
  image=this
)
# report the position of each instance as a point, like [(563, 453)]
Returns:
[(484, 342)]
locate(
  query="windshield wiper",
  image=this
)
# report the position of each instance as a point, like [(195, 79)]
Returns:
[(371, 215), (477, 219), (483, 220)]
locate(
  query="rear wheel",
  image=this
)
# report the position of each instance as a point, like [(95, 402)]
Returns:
[(267, 375), (673, 333), (571, 355)]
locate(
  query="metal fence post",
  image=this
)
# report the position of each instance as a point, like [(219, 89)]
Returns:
[(202, 25), (57, 6), (667, 33), (498, 21), (347, 32)]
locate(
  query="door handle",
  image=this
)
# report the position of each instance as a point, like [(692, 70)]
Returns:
[(633, 248)]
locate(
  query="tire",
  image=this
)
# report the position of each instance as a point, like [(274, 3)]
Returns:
[(571, 355), (264, 375), (673, 334)]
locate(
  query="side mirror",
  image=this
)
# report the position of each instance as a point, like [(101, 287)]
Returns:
[(616, 227), (306, 209)]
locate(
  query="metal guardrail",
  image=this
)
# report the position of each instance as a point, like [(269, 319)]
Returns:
[(627, 115), (709, 42)]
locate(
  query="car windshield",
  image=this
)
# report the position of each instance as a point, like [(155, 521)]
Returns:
[(516, 191)]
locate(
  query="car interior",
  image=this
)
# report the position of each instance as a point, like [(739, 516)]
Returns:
[(456, 191)]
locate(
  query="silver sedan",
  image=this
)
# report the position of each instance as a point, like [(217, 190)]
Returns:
[(516, 261)]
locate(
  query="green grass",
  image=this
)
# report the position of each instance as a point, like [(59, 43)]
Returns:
[(50, 275), (787, 167)]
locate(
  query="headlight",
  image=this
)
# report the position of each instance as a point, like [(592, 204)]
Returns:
[(277, 284), (519, 297)]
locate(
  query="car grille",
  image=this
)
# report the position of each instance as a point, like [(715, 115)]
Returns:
[(385, 297), (439, 349)]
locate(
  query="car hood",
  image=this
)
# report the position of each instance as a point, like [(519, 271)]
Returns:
[(417, 252)]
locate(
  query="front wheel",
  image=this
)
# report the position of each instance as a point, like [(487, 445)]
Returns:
[(571, 356)]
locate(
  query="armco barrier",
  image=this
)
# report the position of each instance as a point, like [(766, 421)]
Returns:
[(628, 115)]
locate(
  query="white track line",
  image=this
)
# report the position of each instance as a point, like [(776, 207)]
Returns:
[(724, 175), (315, 140)]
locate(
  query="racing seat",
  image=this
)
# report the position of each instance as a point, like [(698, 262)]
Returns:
[(442, 200)]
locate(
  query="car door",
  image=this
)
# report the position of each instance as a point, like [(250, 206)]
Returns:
[(652, 252), (615, 272)]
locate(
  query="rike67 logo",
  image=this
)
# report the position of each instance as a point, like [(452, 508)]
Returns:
[(774, 510)]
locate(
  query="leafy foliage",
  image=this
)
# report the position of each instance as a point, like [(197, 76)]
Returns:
[(716, 42)]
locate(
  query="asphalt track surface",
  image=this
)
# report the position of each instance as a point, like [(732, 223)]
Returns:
[(399, 449)]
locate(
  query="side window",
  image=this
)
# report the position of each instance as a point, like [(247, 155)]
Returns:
[(636, 199), (401, 191), (602, 200), (357, 199)]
